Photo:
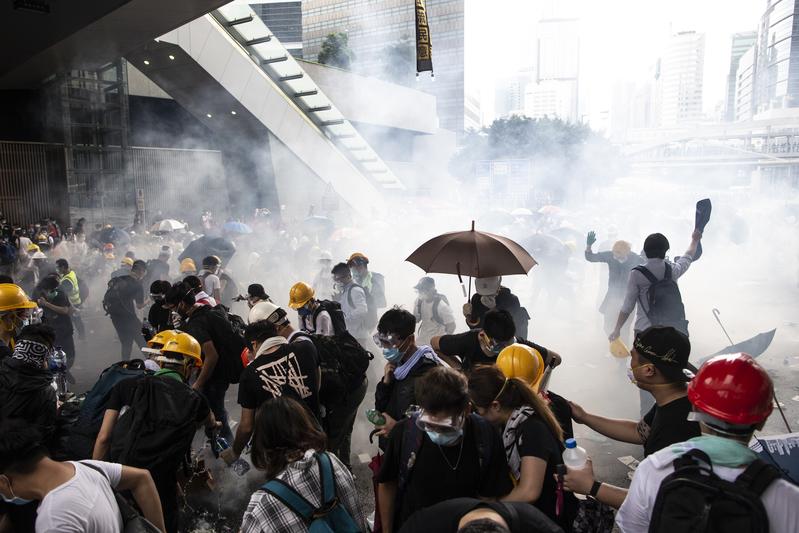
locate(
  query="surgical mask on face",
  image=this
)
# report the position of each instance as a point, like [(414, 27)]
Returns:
[(392, 354), (14, 500), (51, 295), (489, 301), (304, 312), (631, 373), (445, 439)]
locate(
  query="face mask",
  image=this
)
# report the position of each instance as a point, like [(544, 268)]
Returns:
[(489, 301), (304, 312), (631, 373), (14, 500), (52, 294), (442, 439), (392, 354)]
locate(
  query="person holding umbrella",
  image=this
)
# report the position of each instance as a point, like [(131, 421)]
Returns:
[(490, 294)]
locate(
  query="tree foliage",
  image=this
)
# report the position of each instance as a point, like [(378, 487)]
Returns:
[(562, 153), (336, 51), (399, 61)]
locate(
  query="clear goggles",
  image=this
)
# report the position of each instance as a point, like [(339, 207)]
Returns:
[(445, 426), (386, 341)]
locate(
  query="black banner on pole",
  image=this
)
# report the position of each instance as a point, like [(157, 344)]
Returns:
[(424, 45)]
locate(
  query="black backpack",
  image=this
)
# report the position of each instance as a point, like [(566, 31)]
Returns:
[(343, 363), (664, 300), (371, 308), (157, 428), (8, 253), (693, 499), (92, 410), (113, 302), (336, 315), (227, 334), (437, 300)]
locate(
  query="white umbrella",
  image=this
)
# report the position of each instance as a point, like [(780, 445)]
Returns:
[(521, 212), (168, 225)]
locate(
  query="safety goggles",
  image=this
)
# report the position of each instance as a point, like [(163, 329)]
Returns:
[(386, 341), (444, 426), (494, 346)]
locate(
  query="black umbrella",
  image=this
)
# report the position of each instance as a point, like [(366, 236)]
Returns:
[(753, 346)]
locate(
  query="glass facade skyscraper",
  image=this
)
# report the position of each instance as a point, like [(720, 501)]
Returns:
[(777, 62)]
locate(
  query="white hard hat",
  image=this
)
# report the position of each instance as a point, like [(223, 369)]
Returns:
[(325, 256), (266, 311), (487, 286), (39, 255)]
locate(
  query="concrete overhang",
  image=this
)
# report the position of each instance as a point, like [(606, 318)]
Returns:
[(85, 34)]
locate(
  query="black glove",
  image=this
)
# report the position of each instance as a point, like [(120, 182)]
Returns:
[(591, 238)]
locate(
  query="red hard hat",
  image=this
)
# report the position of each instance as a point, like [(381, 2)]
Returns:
[(733, 388)]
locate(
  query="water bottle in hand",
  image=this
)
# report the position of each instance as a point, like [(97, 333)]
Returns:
[(574, 456), (239, 466)]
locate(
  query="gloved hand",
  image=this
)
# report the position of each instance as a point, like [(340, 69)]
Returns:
[(467, 310), (229, 456), (591, 238)]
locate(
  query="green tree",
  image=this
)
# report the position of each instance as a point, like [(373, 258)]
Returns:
[(399, 61), (563, 154), (336, 51)]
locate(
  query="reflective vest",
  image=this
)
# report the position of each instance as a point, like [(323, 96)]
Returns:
[(74, 294)]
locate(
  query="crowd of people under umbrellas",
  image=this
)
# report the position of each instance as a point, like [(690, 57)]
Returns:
[(470, 438)]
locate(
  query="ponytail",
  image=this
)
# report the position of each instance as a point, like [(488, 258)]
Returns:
[(488, 384)]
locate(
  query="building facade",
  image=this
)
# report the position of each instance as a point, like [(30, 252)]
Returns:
[(777, 62), (681, 79), (741, 43), (375, 26), (556, 90), (744, 86), (284, 19)]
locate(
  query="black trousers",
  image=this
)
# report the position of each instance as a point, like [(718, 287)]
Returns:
[(129, 331), (340, 420)]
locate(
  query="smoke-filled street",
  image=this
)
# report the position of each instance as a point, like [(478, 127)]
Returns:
[(399, 266)]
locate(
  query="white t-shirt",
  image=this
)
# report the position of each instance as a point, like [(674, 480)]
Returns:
[(429, 328), (84, 504), (210, 283), (781, 499)]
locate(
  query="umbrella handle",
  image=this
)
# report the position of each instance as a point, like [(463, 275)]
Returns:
[(460, 279), (716, 314)]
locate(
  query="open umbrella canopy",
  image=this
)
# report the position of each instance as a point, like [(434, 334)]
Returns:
[(167, 225), (234, 226), (472, 253), (754, 346)]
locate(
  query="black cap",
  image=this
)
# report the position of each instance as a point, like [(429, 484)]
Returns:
[(667, 349), (256, 290)]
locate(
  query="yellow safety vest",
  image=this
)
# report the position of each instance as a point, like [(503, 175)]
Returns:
[(74, 294)]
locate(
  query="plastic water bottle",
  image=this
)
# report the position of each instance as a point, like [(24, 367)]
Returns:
[(574, 456), (240, 466)]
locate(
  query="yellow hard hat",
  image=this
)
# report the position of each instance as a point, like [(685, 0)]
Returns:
[(358, 257), (184, 344), (126, 261), (187, 265), (523, 362), (33, 248), (160, 339), (299, 294), (13, 297), (619, 349)]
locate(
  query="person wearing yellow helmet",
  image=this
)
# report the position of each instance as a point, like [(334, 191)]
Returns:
[(179, 409), (15, 311), (531, 436), (322, 317), (154, 346)]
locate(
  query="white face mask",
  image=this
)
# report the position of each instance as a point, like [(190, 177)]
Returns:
[(489, 301)]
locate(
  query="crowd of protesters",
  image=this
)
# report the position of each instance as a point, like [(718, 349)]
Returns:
[(470, 438)]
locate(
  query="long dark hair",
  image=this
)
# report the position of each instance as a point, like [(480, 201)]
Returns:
[(284, 430), (488, 383)]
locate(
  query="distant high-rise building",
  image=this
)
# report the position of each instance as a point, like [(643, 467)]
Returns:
[(558, 61), (374, 26), (744, 86), (741, 42), (777, 57), (680, 80), (509, 94), (284, 19)]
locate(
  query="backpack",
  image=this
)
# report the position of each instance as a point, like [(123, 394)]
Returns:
[(331, 517), (343, 363), (8, 253), (90, 418), (412, 438), (336, 315), (665, 301), (437, 300), (156, 430), (83, 290), (694, 499), (371, 308), (113, 302)]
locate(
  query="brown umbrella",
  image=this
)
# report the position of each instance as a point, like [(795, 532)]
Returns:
[(472, 253)]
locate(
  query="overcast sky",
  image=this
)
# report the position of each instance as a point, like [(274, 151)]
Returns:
[(620, 40)]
